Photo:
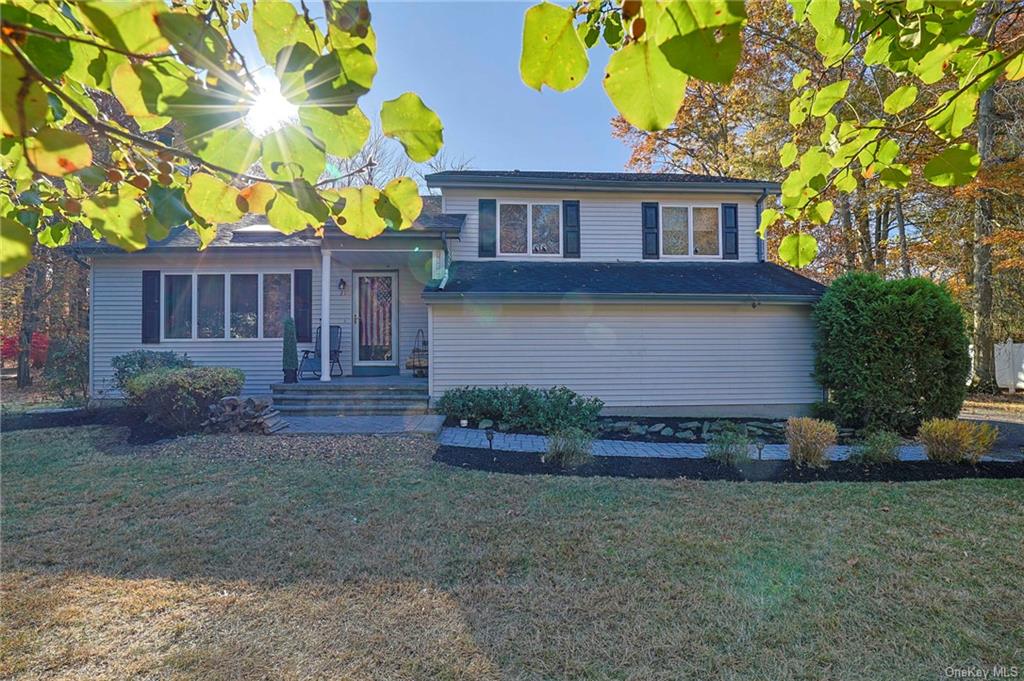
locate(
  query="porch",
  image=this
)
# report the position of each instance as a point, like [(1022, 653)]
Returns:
[(393, 395)]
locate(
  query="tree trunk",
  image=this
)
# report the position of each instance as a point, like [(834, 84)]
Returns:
[(984, 343), (35, 281), (848, 248), (901, 225), (862, 214)]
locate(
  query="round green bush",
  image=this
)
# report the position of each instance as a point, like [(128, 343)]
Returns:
[(180, 399), (890, 353)]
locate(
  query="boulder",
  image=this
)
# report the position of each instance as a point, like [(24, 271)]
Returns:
[(655, 428), (667, 432), (622, 425), (637, 430), (685, 435), (689, 425), (485, 424)]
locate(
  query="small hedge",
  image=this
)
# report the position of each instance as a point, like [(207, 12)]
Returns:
[(809, 440), (67, 368), (138, 362), (890, 353), (547, 411), (179, 399), (954, 441)]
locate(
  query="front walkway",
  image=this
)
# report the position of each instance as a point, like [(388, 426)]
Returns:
[(515, 442), (364, 425)]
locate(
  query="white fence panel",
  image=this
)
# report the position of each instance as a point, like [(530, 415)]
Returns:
[(1010, 365)]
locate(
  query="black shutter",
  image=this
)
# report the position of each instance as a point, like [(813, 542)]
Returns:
[(488, 231), (150, 306), (570, 229), (303, 305), (730, 232), (649, 213)]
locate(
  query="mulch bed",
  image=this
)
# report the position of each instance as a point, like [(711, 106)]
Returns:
[(522, 463), (141, 431)]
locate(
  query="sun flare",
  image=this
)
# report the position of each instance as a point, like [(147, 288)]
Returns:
[(270, 110)]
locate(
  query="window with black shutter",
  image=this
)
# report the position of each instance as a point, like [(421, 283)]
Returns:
[(649, 223)]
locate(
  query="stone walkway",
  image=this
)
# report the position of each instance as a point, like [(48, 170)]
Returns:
[(364, 425), (515, 442)]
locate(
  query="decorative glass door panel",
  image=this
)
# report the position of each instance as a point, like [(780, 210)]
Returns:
[(375, 318)]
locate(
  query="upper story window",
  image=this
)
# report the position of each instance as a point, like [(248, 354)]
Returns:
[(221, 306), (691, 231), (529, 229)]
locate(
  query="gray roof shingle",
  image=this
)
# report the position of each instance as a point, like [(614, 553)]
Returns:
[(483, 278), (665, 181)]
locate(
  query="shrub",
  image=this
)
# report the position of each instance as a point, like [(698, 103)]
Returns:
[(67, 367), (955, 441), (890, 353), (522, 408), (179, 399), (730, 445), (878, 447), (138, 362), (809, 440), (9, 347), (38, 349), (570, 447), (289, 347)]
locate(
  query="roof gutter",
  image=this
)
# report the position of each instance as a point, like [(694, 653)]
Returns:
[(598, 185), (580, 297)]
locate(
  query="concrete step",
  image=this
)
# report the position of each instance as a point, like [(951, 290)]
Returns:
[(332, 389), (350, 410), (364, 404)]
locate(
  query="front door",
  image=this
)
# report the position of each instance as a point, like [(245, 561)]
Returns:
[(375, 319)]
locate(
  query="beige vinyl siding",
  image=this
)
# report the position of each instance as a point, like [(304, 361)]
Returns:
[(629, 354), (117, 309), (610, 226)]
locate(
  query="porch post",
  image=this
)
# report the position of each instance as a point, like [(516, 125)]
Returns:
[(325, 316)]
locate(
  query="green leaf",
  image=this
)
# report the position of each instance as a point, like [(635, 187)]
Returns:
[(590, 31), (827, 97), (212, 199), (788, 154), (553, 53), (900, 99), (52, 57), (401, 203), (613, 32), (931, 67), (15, 246), (408, 120), (341, 135), (337, 80), (800, 78), (799, 107), (277, 25), (710, 54), (953, 167), (798, 250), (15, 110), (297, 208), (1014, 68), (956, 116), (168, 205), (799, 10), (58, 152), (769, 216), (56, 235), (290, 154), (821, 212), (142, 89), (845, 181), (234, 148), (359, 216), (896, 176), (831, 37), (643, 86), (195, 41), (130, 26), (118, 218)]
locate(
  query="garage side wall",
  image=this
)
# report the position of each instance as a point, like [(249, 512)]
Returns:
[(640, 359)]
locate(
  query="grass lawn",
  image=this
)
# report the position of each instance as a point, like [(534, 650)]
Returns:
[(303, 557)]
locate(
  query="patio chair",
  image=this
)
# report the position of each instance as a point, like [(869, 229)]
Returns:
[(311, 358)]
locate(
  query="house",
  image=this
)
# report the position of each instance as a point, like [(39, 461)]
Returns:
[(650, 291)]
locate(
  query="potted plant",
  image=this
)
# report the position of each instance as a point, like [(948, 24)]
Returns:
[(289, 352)]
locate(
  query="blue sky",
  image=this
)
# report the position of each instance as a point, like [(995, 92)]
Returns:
[(462, 58)]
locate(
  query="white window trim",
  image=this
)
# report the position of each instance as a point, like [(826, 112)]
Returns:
[(689, 236), (529, 228), (227, 274)]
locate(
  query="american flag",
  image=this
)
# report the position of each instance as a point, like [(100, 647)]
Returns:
[(375, 318)]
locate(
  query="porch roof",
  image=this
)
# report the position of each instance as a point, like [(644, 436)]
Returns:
[(698, 281), (253, 231)]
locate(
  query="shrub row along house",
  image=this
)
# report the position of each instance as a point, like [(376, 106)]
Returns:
[(649, 291)]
